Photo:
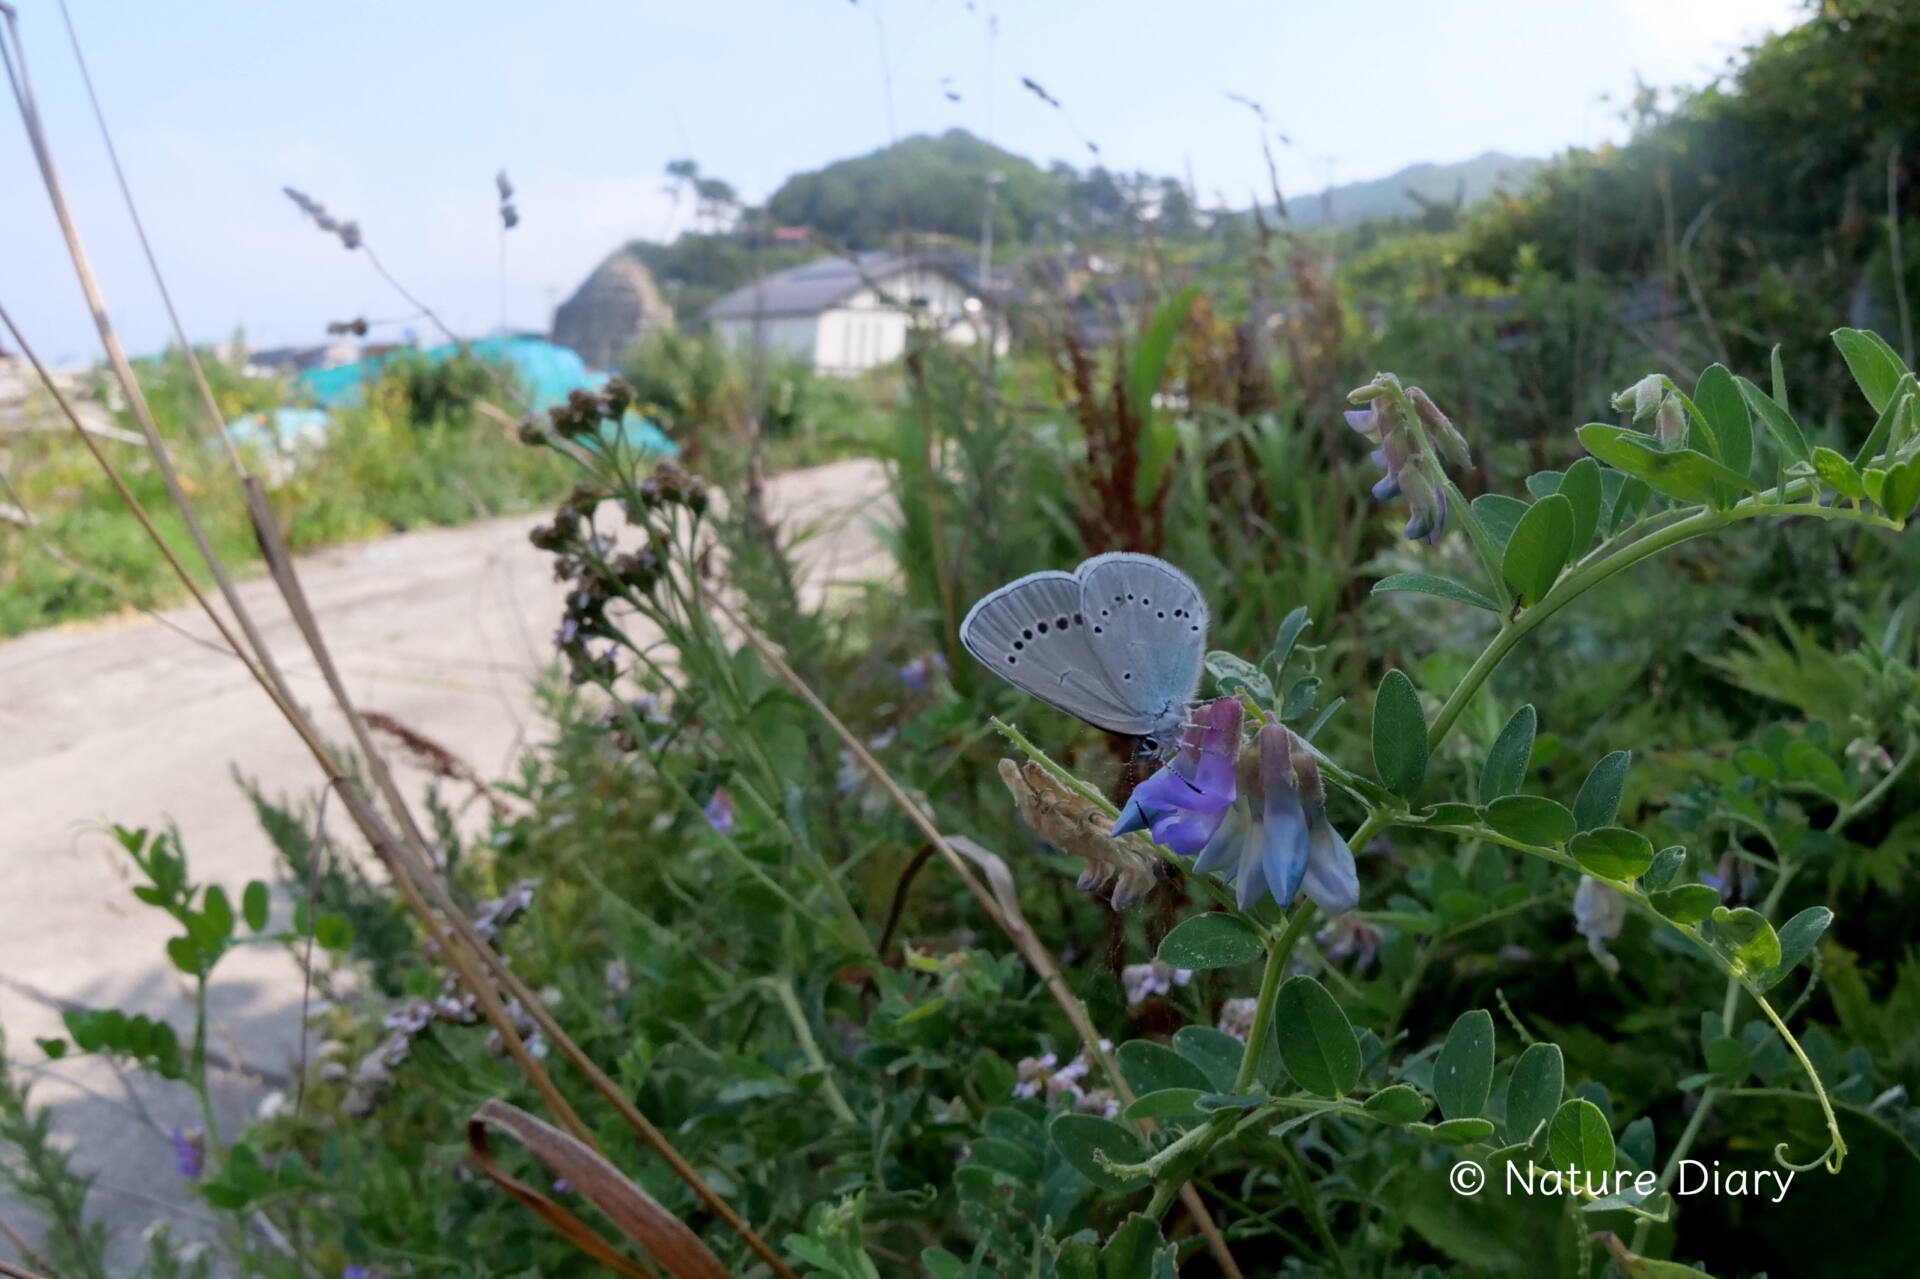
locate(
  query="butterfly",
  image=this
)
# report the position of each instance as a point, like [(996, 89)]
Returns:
[(1118, 642)]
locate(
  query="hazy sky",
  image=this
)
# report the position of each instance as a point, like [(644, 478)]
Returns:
[(398, 112)]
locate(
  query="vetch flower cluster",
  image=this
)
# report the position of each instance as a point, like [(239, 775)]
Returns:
[(1652, 397), (1404, 447), (1044, 1077), (1143, 981), (1257, 817)]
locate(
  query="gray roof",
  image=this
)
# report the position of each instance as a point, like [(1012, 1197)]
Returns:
[(814, 286)]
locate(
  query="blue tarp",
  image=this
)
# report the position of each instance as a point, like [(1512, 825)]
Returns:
[(547, 373)]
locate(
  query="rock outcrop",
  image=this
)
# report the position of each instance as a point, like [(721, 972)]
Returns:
[(616, 306)]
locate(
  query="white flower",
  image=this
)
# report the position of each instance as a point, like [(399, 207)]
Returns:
[(1236, 1017), (1143, 981), (1599, 912)]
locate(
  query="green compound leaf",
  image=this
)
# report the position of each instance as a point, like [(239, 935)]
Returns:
[(1431, 584), (1666, 864), (1215, 1052), (1612, 852), (1599, 800), (1885, 429), (1506, 768), (1150, 1067), (1082, 1139), (1578, 1138), (1895, 490), (1717, 399), (1399, 735), (1498, 514), (1463, 1072), (1838, 474), (254, 904), (1531, 819), (1745, 937), (1457, 1132), (1287, 636), (1686, 475), (1786, 432), (1687, 904), (1538, 549), (1234, 675), (1874, 364), (216, 915), (1212, 940), (1798, 936), (1400, 1103), (1316, 1039), (1533, 1093), (1168, 1103), (1583, 487)]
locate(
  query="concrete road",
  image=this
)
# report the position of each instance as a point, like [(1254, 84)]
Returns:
[(131, 723)]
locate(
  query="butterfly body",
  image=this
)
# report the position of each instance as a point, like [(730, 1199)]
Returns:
[(1118, 642)]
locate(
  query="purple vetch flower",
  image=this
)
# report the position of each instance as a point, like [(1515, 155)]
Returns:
[(1267, 833), (1277, 838), (1404, 449), (1599, 912), (917, 674), (189, 1152), (719, 810), (1184, 802), (1349, 938)]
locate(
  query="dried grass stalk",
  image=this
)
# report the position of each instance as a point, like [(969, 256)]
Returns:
[(637, 1214)]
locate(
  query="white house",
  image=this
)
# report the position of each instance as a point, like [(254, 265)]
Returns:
[(846, 315)]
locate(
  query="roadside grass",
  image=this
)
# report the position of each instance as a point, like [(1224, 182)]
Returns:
[(376, 474)]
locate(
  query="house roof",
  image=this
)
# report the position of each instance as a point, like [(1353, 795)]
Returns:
[(816, 286)]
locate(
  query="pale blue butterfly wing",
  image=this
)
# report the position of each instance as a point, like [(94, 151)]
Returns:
[(1148, 625), (1079, 644), (1034, 634)]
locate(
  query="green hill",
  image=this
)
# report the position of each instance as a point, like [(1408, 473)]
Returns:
[(1414, 190), (930, 184)]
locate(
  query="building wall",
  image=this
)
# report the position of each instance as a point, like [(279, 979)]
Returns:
[(863, 331), (853, 339), (781, 335)]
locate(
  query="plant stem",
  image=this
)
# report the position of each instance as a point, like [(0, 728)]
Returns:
[(1054, 770), (1680, 1148), (1837, 1144), (199, 1064), (1279, 951), (782, 988), (1589, 574)]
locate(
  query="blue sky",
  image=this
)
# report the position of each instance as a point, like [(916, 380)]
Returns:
[(398, 113)]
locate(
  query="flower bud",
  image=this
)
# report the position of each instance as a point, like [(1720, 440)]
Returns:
[(1670, 422), (1643, 397), (1451, 442)]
